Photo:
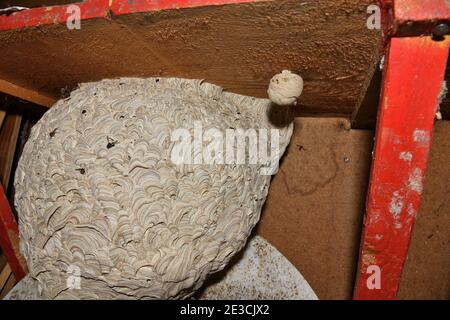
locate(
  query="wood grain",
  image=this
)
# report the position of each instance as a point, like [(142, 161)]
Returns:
[(2, 117), (9, 284), (7, 280), (4, 275), (237, 46), (26, 94), (8, 140)]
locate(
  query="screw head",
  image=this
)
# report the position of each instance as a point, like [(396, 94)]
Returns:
[(441, 30)]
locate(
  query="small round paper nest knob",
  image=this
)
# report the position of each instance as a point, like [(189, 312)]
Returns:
[(285, 88)]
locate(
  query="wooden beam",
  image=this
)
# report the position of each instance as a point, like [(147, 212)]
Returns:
[(90, 9), (411, 85), (2, 117), (5, 271), (365, 114), (26, 94), (9, 284), (9, 238), (9, 135), (7, 280), (237, 44)]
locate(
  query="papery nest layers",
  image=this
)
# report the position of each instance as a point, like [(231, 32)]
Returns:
[(103, 211)]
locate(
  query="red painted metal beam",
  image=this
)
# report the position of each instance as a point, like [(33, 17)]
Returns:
[(9, 238), (413, 77), (421, 10), (414, 17), (125, 6), (103, 9), (53, 15)]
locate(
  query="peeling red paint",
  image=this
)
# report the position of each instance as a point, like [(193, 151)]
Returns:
[(405, 156), (412, 81), (415, 180)]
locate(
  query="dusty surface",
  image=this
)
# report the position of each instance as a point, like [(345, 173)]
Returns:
[(239, 47), (102, 200), (427, 269)]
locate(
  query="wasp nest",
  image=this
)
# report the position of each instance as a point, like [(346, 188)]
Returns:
[(105, 213), (285, 88)]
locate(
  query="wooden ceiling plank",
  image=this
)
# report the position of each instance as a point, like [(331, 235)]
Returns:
[(237, 46), (26, 94), (9, 135)]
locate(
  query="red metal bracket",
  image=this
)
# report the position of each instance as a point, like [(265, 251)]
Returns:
[(407, 18), (413, 77), (9, 238)]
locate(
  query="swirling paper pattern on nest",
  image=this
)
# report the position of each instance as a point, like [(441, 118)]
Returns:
[(97, 192)]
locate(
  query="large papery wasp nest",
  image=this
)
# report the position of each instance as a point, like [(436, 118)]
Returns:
[(102, 206)]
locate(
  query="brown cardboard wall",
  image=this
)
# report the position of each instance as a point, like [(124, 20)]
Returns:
[(427, 269), (316, 202)]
